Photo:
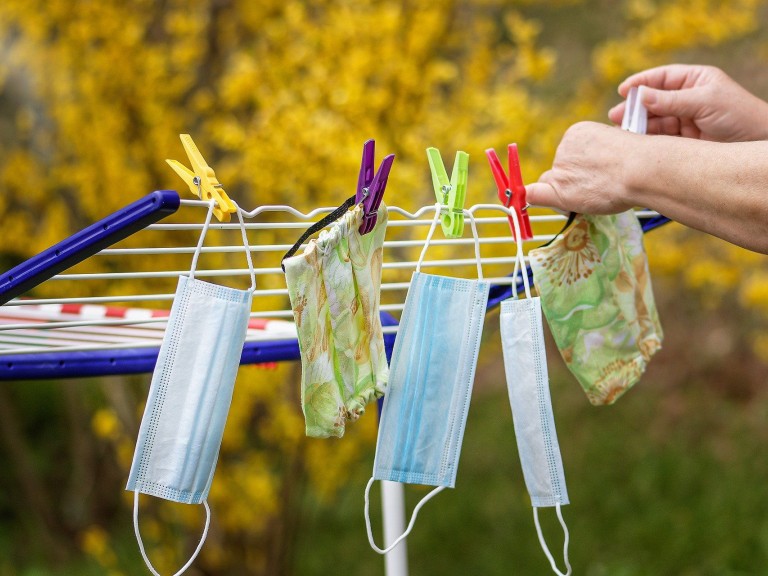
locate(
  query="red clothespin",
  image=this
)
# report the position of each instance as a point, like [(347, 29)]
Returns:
[(511, 189), (370, 188)]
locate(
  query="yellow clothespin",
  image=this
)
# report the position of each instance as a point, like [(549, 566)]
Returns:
[(202, 180)]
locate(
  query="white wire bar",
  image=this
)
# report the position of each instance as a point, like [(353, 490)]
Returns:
[(74, 312)]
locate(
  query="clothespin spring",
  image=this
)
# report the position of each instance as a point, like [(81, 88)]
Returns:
[(199, 183)]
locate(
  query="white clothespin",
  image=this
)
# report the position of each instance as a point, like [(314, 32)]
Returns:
[(635, 115)]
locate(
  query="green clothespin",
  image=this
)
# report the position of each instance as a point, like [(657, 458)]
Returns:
[(451, 194)]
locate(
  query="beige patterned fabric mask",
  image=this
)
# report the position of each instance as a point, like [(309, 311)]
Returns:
[(334, 290), (597, 297)]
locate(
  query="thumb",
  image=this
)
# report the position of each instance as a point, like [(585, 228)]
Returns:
[(542, 194), (677, 103)]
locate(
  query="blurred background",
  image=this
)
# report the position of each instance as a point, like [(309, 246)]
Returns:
[(279, 96)]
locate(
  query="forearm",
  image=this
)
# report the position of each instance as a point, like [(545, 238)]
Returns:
[(721, 189)]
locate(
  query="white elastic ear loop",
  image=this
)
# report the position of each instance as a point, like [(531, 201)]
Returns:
[(519, 257), (141, 543), (200, 240), (247, 247), (411, 524), (435, 220), (476, 238), (544, 544)]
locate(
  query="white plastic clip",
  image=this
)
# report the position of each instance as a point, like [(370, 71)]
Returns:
[(635, 115)]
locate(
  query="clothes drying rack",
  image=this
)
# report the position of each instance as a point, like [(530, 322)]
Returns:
[(139, 251)]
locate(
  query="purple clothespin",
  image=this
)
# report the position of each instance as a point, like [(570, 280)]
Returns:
[(370, 188)]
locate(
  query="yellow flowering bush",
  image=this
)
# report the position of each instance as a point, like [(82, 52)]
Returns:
[(281, 95)]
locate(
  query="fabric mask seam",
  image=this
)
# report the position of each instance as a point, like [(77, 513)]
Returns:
[(326, 249), (351, 395), (356, 392)]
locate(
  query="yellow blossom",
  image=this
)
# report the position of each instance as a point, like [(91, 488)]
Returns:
[(105, 424)]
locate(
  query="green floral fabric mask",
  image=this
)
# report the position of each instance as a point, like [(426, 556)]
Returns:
[(597, 297), (334, 290)]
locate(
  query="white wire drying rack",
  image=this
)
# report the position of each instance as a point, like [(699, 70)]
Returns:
[(108, 314)]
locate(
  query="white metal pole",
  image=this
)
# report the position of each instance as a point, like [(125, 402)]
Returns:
[(393, 508)]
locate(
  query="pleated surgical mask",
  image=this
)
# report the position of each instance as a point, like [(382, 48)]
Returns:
[(525, 366), (430, 383), (190, 394)]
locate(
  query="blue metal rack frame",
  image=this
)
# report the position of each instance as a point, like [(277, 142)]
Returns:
[(87, 242)]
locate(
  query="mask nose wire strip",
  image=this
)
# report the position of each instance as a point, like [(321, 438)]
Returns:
[(544, 544), (411, 524), (141, 543)]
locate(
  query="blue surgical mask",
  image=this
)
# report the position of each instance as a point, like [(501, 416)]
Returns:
[(190, 394), (430, 383), (525, 364)]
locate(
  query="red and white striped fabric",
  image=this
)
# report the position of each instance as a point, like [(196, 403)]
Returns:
[(49, 327)]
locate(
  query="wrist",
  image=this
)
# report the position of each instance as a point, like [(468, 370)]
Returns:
[(760, 124), (640, 161)]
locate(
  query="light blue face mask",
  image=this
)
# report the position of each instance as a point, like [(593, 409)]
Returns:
[(525, 364), (430, 383), (190, 394)]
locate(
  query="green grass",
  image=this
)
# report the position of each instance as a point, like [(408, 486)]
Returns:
[(670, 480)]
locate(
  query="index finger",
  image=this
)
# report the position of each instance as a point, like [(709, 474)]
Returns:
[(668, 77)]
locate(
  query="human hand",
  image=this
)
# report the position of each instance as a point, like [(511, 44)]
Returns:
[(700, 102), (589, 174)]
